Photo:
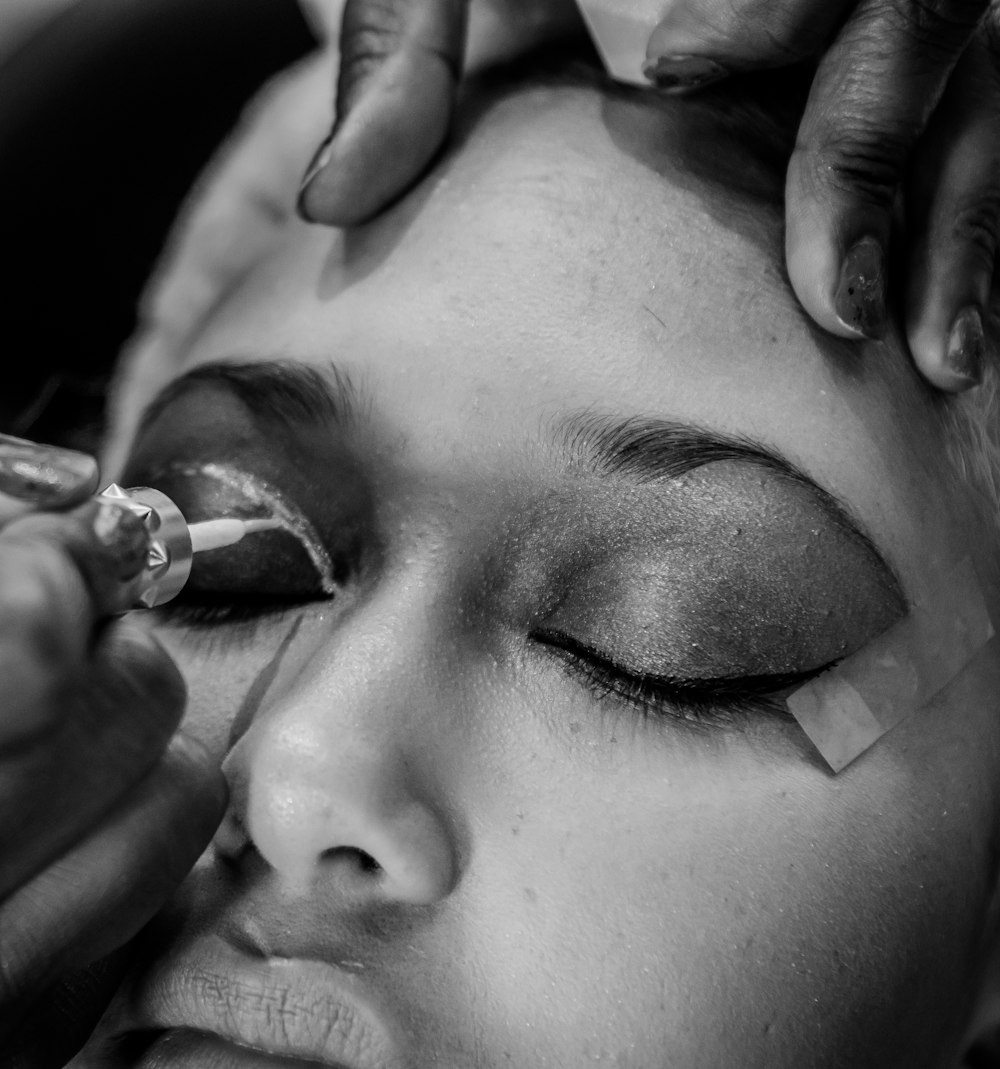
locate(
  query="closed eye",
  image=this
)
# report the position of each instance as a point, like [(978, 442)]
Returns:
[(702, 700), (207, 608)]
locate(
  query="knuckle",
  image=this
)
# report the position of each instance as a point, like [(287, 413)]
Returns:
[(860, 160), (976, 225), (771, 30), (939, 25), (372, 31), (921, 37)]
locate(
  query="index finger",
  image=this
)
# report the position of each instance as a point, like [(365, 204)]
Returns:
[(873, 94), (42, 476)]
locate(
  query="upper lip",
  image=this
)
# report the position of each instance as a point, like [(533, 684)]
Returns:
[(294, 1008)]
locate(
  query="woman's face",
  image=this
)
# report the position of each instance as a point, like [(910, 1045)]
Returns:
[(491, 806)]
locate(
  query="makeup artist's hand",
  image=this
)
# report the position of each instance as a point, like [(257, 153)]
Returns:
[(400, 63), (103, 808), (905, 98), (34, 476)]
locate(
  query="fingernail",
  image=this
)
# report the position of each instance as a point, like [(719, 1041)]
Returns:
[(860, 297), (681, 74), (966, 350), (41, 474), (122, 532), (319, 161)]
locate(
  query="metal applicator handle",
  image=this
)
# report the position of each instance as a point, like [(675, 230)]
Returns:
[(168, 560)]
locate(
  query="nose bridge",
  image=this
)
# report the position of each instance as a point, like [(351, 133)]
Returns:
[(326, 776)]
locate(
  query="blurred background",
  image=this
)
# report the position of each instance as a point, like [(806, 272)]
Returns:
[(19, 18), (108, 111)]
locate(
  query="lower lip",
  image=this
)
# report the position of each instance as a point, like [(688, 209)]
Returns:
[(184, 1049)]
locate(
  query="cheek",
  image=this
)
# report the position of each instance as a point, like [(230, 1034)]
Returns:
[(650, 895), (229, 674)]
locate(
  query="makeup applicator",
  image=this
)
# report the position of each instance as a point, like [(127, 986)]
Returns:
[(173, 542)]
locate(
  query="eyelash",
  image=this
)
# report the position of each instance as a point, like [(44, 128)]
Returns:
[(703, 701), (242, 613)]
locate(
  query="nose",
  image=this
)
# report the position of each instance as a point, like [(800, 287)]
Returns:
[(335, 778)]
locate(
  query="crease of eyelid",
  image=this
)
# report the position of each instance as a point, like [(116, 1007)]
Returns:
[(648, 450), (291, 519)]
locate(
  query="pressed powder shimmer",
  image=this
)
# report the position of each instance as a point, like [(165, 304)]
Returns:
[(256, 491), (729, 571)]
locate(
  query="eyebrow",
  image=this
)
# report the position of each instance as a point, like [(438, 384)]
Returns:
[(646, 450), (285, 391), (638, 449)]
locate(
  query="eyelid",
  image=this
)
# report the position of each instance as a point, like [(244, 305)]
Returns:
[(229, 618), (254, 491), (699, 699)]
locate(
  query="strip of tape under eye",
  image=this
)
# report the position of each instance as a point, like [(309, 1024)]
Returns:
[(846, 710)]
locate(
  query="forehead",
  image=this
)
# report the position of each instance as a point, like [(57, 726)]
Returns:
[(561, 260)]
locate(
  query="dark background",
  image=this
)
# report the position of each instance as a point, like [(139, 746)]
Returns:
[(107, 114)]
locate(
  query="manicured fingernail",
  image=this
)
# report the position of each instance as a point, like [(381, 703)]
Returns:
[(860, 296), (43, 474), (122, 532), (966, 347), (681, 74), (319, 161)]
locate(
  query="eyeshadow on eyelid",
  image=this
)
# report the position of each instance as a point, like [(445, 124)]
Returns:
[(726, 572), (258, 492)]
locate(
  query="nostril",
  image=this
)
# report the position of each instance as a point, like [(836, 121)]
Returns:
[(353, 856), (368, 863)]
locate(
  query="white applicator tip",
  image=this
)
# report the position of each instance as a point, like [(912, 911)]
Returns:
[(217, 534)]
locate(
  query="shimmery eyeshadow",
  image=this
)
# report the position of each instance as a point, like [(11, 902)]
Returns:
[(256, 491), (726, 572)]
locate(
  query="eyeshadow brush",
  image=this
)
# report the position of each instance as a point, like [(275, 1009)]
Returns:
[(218, 534)]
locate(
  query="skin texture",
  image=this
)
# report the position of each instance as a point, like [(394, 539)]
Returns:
[(561, 881), (903, 103)]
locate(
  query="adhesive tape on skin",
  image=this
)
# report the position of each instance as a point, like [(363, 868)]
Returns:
[(846, 710), (621, 30)]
